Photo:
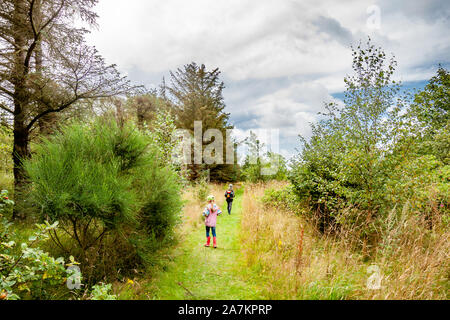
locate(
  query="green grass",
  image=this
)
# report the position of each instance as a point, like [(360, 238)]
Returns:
[(203, 273)]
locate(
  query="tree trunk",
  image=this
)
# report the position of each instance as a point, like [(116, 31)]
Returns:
[(20, 130), (46, 123), (20, 152)]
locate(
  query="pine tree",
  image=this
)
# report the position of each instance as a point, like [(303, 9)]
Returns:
[(197, 96), (46, 67)]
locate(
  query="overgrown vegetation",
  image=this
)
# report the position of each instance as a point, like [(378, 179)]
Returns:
[(100, 174), (115, 199), (26, 271), (368, 196), (295, 261), (373, 154)]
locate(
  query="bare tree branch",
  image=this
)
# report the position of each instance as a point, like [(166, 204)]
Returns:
[(6, 109)]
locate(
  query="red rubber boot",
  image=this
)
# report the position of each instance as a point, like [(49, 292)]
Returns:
[(214, 242), (208, 240)]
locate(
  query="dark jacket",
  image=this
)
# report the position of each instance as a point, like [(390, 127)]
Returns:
[(229, 195)]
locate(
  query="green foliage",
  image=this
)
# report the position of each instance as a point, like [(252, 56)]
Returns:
[(282, 198), (196, 94), (5, 202), (427, 121), (159, 189), (423, 183), (432, 105), (27, 271), (102, 292), (354, 153), (162, 133), (6, 146), (83, 173), (201, 190), (111, 191), (252, 167)]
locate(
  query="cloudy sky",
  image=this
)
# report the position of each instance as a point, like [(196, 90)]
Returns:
[(280, 60)]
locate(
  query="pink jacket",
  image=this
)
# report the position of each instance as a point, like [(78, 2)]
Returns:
[(211, 212)]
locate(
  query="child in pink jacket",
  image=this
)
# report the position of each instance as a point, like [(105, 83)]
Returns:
[(211, 212)]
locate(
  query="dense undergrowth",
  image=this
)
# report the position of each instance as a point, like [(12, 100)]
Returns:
[(297, 261), (115, 200)]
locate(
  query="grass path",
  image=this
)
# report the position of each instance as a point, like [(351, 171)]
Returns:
[(197, 272)]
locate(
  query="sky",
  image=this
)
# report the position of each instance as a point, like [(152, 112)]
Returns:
[(280, 60)]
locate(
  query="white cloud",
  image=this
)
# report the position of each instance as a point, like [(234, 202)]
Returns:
[(263, 39), (244, 38), (289, 110)]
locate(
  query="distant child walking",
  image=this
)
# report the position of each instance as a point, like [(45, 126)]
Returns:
[(211, 212), (229, 196)]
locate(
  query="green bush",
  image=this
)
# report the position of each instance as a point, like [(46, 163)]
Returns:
[(80, 178), (159, 189), (102, 292), (5, 202), (26, 271), (284, 199), (107, 186)]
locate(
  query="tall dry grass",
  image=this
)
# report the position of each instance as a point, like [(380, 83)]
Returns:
[(296, 262)]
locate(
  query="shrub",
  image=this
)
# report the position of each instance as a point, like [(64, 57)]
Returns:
[(5, 202), (282, 198), (159, 189), (423, 183), (102, 292), (108, 188), (80, 178)]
